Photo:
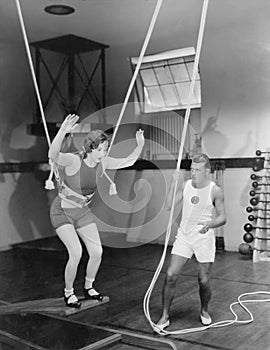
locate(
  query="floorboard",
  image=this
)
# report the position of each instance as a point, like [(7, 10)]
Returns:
[(35, 271)]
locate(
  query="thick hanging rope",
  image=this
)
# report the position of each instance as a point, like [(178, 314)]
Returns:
[(183, 137), (113, 190), (239, 301), (26, 43), (49, 185), (138, 66)]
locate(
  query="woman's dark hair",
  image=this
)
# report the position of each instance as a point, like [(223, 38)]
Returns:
[(92, 141)]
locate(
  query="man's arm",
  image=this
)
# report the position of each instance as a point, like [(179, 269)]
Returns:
[(220, 218)]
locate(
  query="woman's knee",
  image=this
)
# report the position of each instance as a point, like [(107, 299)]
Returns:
[(96, 252), (75, 255)]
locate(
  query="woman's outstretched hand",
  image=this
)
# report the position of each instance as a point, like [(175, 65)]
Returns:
[(69, 123), (140, 138)]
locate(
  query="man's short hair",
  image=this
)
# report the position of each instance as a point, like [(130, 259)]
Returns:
[(202, 158)]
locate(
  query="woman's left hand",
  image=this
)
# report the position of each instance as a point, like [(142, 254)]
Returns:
[(140, 138)]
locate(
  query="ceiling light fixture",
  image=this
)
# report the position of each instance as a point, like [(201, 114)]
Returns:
[(59, 10)]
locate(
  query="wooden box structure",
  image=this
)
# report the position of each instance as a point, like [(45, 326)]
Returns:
[(71, 47)]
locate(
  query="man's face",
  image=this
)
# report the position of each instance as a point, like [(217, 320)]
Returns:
[(198, 173)]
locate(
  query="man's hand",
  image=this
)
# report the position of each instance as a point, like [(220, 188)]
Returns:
[(205, 227), (176, 175)]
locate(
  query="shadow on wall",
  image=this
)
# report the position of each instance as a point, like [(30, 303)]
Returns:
[(242, 150), (29, 202), (212, 138)]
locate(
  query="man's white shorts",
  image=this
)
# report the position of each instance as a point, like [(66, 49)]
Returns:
[(203, 246)]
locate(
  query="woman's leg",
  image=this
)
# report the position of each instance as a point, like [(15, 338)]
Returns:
[(69, 237), (90, 236)]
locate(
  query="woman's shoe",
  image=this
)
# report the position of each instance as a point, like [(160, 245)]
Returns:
[(97, 296), (72, 301)]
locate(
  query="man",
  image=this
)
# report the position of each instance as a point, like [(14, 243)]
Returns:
[(201, 198)]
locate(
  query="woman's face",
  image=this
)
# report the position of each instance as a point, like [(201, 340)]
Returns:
[(98, 153)]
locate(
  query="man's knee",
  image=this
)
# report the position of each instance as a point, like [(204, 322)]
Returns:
[(171, 278), (203, 279)]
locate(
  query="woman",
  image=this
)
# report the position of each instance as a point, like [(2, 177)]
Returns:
[(70, 212)]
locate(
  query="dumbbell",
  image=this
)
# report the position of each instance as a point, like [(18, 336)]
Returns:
[(246, 249), (254, 201), (250, 209), (248, 237), (252, 193), (252, 218), (257, 177), (256, 184), (259, 153), (248, 227)]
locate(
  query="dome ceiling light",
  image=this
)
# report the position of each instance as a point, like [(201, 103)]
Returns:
[(59, 10)]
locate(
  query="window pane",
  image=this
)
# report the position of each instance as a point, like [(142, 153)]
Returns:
[(155, 96), (163, 75), (148, 77), (179, 72), (183, 90), (190, 70), (169, 93)]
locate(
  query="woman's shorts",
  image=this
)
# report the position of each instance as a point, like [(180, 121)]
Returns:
[(78, 217), (203, 246)]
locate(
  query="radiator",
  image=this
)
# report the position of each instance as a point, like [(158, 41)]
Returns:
[(165, 136)]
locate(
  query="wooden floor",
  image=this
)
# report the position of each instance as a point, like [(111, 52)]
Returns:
[(35, 271)]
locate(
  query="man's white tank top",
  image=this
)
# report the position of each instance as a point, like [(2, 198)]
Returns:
[(197, 207)]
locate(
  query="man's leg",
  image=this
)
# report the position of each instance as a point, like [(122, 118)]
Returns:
[(204, 287), (176, 264)]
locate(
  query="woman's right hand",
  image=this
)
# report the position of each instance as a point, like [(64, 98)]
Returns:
[(69, 123), (140, 138)]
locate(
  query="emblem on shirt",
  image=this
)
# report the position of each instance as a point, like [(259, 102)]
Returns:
[(195, 199)]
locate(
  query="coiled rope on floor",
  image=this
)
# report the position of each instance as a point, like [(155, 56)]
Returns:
[(226, 323)]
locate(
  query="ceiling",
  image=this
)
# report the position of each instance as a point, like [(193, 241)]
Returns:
[(236, 33), (124, 22)]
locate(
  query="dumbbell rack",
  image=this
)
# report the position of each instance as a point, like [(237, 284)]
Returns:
[(261, 248), (218, 177)]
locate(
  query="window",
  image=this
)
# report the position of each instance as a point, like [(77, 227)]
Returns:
[(164, 80)]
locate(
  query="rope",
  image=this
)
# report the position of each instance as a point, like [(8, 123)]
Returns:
[(32, 71), (132, 82), (183, 137), (49, 183), (226, 323)]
